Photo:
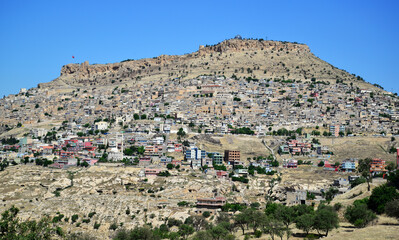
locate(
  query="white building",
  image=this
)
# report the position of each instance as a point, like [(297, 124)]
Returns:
[(100, 126)]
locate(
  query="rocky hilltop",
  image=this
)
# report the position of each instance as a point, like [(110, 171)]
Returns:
[(242, 58)]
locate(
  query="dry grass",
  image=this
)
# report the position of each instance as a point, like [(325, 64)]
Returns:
[(359, 147), (249, 146)]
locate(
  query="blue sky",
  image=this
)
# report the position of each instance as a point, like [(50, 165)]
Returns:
[(38, 37)]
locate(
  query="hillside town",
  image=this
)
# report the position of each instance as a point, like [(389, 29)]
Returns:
[(214, 104), (180, 152)]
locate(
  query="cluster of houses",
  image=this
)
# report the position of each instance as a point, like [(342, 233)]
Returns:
[(377, 166), (296, 147)]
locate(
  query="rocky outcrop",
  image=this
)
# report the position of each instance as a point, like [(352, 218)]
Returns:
[(238, 45), (255, 58)]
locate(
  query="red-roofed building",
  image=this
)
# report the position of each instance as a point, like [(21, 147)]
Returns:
[(222, 174)]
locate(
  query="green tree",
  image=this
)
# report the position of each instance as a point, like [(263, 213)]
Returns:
[(141, 150), (186, 230), (331, 192), (202, 235), (199, 223), (12, 228), (128, 152), (80, 134), (84, 164), (326, 219), (305, 222), (181, 132), (359, 215), (393, 179), (138, 233), (170, 166), (241, 220), (302, 209), (391, 165), (364, 170), (174, 222), (218, 232), (273, 227), (380, 196), (284, 214)]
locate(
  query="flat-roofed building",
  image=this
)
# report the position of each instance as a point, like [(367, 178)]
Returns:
[(231, 156)]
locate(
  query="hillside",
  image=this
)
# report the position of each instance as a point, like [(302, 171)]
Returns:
[(255, 84), (243, 58)]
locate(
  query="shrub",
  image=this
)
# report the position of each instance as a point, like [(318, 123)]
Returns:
[(164, 174), (113, 226), (255, 205), (58, 218), (96, 225), (91, 214), (393, 179), (392, 208), (59, 231), (337, 206), (86, 220), (357, 181), (74, 218), (206, 214), (174, 222), (170, 166), (182, 204)]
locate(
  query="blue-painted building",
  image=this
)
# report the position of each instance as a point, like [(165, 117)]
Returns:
[(348, 166), (195, 153)]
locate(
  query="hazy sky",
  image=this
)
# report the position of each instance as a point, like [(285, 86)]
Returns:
[(38, 37)]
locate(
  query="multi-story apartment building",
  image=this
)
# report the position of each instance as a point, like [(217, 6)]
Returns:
[(231, 156), (336, 129), (378, 166), (217, 158)]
